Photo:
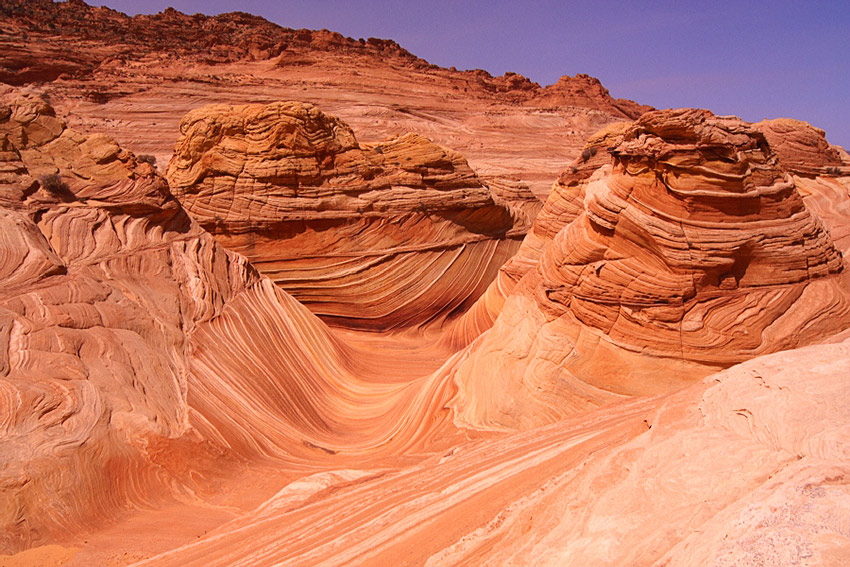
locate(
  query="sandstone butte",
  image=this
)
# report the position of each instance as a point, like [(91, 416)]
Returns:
[(296, 347)]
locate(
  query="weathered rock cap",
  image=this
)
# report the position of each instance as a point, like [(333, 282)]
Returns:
[(291, 161), (801, 148)]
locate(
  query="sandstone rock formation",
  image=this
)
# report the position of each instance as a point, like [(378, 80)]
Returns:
[(163, 402), (135, 78), (586, 91), (154, 378), (801, 148), (562, 206), (382, 236), (749, 468), (691, 251), (107, 277), (128, 331)]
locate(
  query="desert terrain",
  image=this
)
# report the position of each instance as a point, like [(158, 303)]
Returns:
[(283, 297)]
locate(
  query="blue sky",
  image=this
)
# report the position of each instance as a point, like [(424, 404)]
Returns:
[(752, 59)]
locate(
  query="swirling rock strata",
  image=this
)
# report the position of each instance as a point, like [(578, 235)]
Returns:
[(380, 236), (748, 468), (126, 331), (564, 204), (107, 276), (690, 251), (143, 364)]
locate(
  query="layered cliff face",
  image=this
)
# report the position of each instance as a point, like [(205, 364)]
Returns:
[(690, 251), (127, 332), (135, 78), (381, 236), (216, 39)]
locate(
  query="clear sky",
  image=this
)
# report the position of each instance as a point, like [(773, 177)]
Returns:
[(756, 59)]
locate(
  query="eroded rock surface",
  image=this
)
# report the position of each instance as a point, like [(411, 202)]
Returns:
[(127, 331), (749, 467), (108, 278), (691, 250), (135, 78), (162, 402), (381, 236)]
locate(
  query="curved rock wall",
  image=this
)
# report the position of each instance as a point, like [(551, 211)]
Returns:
[(140, 361), (691, 251), (377, 237)]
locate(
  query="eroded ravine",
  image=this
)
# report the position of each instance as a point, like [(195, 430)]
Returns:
[(462, 410)]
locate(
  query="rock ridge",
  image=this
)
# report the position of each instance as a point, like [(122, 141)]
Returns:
[(235, 36), (340, 225), (644, 257)]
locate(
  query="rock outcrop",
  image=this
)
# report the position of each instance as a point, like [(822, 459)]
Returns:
[(218, 39), (382, 236), (801, 148), (135, 78), (691, 250), (587, 92), (747, 468), (107, 277), (127, 331), (564, 204)]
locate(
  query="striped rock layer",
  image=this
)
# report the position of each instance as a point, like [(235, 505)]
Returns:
[(376, 237), (689, 249), (163, 403), (141, 363), (747, 468)]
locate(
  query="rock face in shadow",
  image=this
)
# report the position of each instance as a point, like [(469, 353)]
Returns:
[(691, 250), (381, 236)]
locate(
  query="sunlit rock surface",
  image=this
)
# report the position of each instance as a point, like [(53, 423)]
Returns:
[(382, 236), (691, 250), (142, 362), (748, 467), (162, 402), (107, 277), (135, 78)]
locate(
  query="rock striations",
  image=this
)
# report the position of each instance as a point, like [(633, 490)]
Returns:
[(748, 468), (108, 278), (135, 78), (141, 362), (382, 236), (588, 92), (691, 250), (155, 386), (595, 382)]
